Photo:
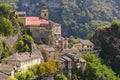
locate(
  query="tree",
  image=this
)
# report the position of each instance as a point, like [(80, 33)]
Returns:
[(4, 52), (72, 40), (33, 69), (24, 43), (21, 76), (116, 24), (20, 46), (6, 27), (5, 9), (95, 70), (29, 74), (60, 77), (90, 36)]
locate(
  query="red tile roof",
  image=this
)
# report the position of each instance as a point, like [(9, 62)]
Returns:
[(35, 21)]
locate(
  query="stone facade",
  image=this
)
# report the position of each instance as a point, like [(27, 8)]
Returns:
[(84, 46), (22, 61), (71, 61), (48, 52)]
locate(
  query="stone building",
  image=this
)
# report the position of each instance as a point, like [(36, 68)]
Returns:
[(48, 52), (22, 61), (22, 16), (71, 61), (84, 46)]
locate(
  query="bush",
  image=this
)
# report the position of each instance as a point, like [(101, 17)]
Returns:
[(24, 43), (12, 78), (5, 10), (60, 77), (6, 27), (116, 24)]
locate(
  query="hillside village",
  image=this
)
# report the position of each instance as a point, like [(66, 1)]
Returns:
[(48, 44)]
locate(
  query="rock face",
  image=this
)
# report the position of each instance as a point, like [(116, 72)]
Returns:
[(107, 42)]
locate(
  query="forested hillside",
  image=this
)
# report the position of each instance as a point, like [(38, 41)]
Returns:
[(78, 17)]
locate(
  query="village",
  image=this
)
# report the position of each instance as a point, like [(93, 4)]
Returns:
[(47, 35)]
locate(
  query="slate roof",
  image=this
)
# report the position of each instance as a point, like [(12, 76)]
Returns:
[(66, 58), (3, 76), (22, 56), (47, 48), (6, 69)]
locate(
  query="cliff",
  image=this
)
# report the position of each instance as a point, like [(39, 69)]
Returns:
[(107, 42)]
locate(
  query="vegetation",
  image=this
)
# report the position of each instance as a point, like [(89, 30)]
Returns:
[(4, 52), (26, 75), (12, 78), (5, 10), (24, 43), (72, 40), (12, 3), (78, 17), (48, 68), (60, 77), (116, 24), (6, 28), (90, 36), (96, 70)]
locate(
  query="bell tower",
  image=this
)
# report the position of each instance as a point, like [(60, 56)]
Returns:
[(44, 12)]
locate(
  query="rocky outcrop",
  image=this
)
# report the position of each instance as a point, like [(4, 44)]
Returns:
[(107, 42), (15, 23)]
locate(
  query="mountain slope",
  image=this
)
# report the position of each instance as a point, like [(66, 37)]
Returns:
[(78, 17)]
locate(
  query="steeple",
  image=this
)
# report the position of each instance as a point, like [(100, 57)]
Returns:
[(44, 12)]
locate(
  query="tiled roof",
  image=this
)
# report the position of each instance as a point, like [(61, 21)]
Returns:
[(86, 42), (22, 56), (35, 21)]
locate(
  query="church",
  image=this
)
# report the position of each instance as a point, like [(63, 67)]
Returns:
[(43, 30)]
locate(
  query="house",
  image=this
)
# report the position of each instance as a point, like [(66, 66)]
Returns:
[(71, 61), (21, 16), (22, 60), (83, 46), (49, 52)]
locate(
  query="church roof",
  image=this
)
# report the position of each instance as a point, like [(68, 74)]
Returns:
[(35, 21)]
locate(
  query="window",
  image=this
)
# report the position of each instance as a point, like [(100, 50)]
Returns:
[(45, 14)]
